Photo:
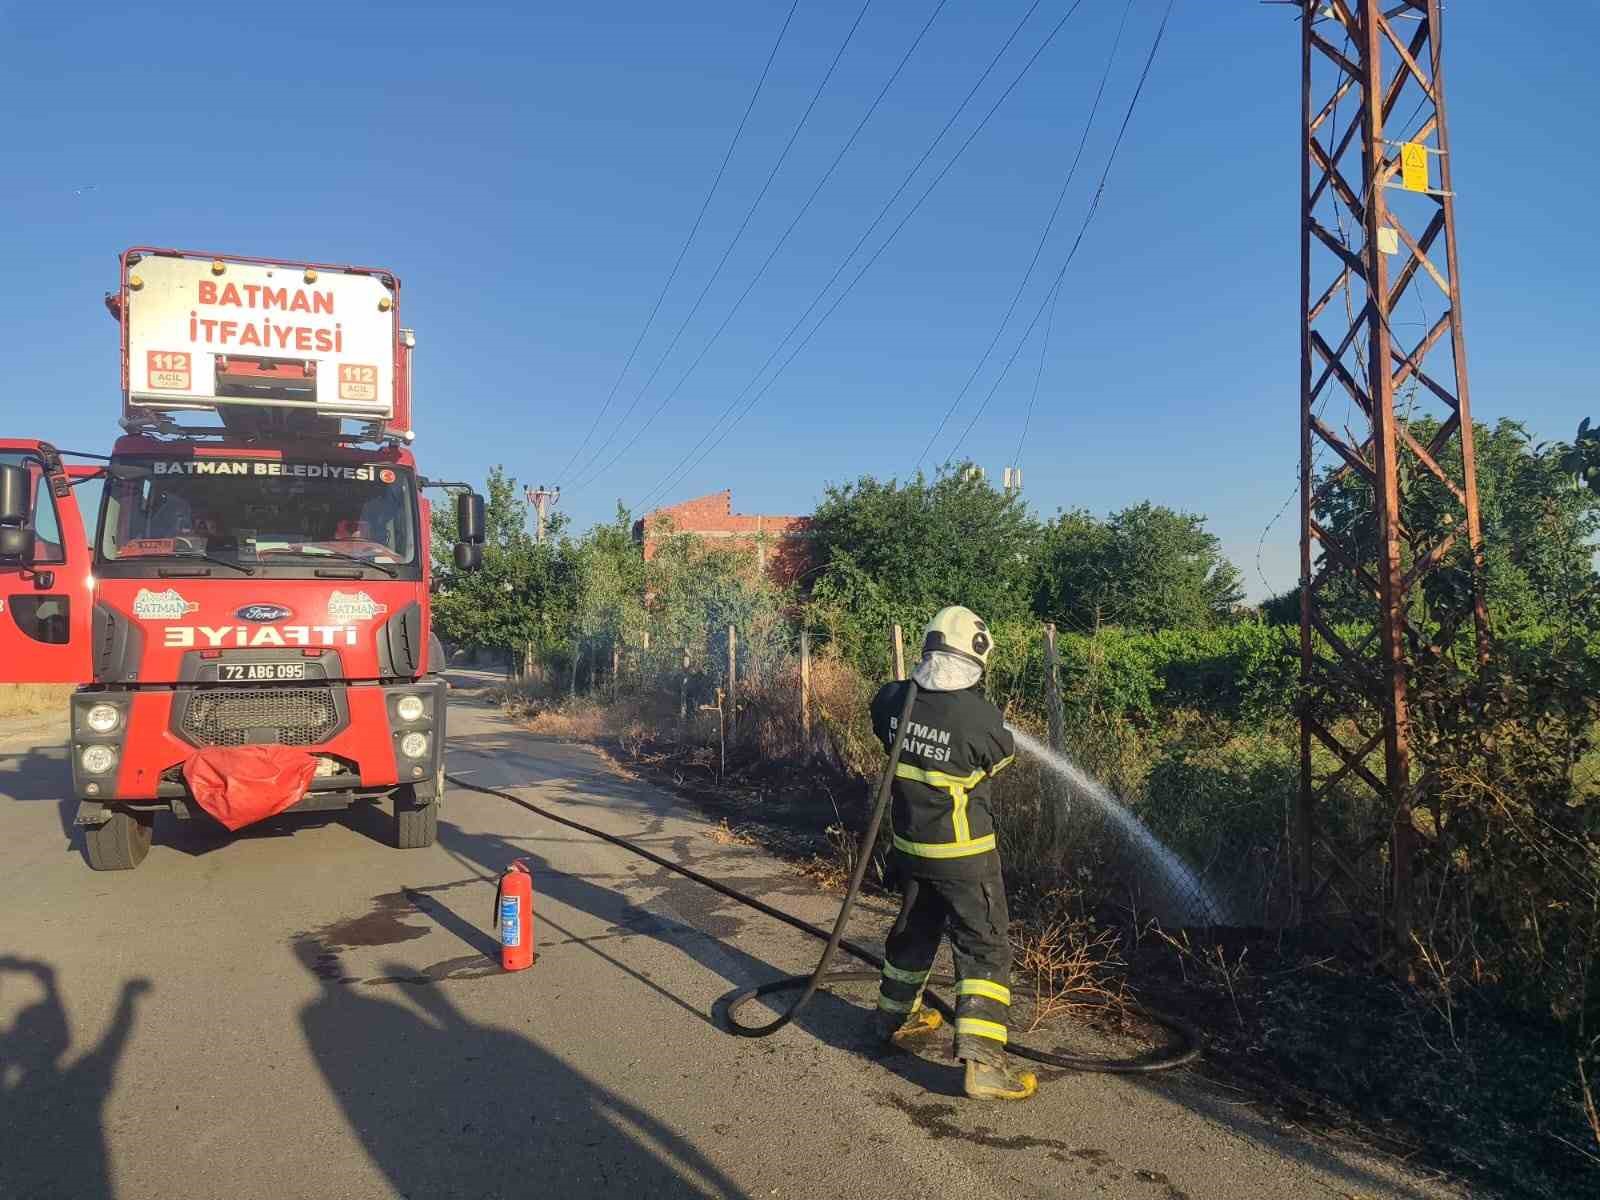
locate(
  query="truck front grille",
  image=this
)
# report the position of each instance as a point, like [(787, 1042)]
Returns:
[(252, 716)]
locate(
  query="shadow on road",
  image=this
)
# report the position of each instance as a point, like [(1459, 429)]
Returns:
[(52, 1125), (447, 1107), (41, 773)]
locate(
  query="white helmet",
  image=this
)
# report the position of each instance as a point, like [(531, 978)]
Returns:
[(958, 630)]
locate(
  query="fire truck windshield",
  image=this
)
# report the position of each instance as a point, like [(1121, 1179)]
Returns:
[(266, 513)]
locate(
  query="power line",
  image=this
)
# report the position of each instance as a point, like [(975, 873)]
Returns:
[(684, 464), (1094, 207), (783, 240), (1038, 374), (727, 425), (717, 272), (684, 249), (1038, 249)]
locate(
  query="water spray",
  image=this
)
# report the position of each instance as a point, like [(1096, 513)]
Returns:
[(1179, 878)]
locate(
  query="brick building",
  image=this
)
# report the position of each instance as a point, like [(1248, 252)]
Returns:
[(781, 545)]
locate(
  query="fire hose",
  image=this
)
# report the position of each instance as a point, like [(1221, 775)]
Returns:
[(1187, 1041)]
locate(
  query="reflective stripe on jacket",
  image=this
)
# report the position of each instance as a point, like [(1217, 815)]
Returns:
[(955, 744)]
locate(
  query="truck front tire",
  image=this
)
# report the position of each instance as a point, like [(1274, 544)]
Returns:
[(416, 818), (119, 844)]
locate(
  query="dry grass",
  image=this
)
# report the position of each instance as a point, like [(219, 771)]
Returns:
[(1068, 965), (771, 727), (645, 723), (33, 699), (1591, 1112), (1211, 964), (580, 723), (832, 871), (726, 835), (520, 697)]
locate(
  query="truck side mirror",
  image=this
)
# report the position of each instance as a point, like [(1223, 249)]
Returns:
[(16, 538), (14, 506), (469, 555), (469, 517)]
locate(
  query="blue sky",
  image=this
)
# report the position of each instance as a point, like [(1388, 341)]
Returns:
[(531, 170)]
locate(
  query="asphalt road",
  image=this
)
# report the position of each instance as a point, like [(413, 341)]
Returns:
[(304, 1012)]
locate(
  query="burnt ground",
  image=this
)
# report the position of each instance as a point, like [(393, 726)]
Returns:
[(1300, 1023)]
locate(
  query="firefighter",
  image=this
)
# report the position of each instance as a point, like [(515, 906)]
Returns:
[(944, 854)]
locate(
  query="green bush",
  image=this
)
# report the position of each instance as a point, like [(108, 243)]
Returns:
[(1239, 672)]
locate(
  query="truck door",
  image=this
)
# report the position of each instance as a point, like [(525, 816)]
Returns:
[(46, 596)]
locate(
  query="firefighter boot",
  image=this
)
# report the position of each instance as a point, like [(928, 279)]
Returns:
[(901, 1031), (987, 1082)]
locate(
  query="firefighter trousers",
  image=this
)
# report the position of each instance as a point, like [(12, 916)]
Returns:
[(973, 912)]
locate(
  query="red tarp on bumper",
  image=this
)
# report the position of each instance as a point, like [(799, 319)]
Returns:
[(240, 785)]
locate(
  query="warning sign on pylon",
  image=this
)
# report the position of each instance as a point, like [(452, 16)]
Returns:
[(1414, 167)]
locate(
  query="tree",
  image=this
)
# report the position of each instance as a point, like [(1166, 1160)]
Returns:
[(888, 552), (694, 591), (1147, 567), (1073, 583), (1581, 460), (610, 597), (1538, 533), (525, 593)]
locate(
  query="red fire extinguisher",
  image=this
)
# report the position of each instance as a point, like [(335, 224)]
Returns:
[(513, 914)]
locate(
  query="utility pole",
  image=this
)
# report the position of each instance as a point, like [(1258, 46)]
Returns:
[(1376, 186), (539, 497)]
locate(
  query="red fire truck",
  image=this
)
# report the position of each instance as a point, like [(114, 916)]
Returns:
[(258, 575)]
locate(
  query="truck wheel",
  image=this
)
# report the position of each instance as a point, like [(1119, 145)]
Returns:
[(415, 826), (121, 843)]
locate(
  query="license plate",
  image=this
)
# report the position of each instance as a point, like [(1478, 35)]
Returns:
[(258, 672)]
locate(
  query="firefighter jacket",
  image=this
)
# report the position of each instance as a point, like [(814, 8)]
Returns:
[(956, 742)]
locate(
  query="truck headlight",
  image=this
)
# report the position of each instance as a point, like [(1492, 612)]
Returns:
[(97, 760), (414, 745), (410, 708), (103, 718)]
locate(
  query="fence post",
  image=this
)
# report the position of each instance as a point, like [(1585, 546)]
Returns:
[(805, 685), (899, 653), (683, 688), (616, 663), (733, 676), (1052, 684), (722, 734), (577, 649), (1053, 791)]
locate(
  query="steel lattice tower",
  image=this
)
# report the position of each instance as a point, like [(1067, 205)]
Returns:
[(1381, 305)]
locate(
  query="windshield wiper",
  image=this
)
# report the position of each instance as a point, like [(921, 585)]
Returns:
[(212, 558), (365, 562)]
